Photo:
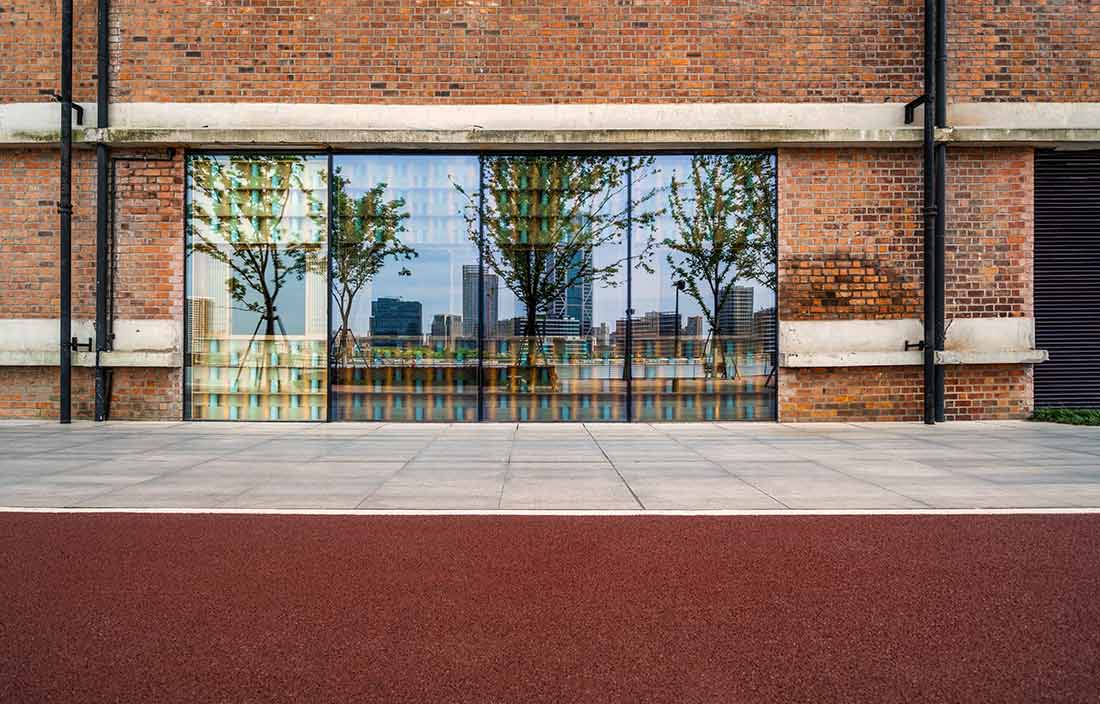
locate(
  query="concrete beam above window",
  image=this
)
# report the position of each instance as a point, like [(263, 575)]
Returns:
[(573, 126)]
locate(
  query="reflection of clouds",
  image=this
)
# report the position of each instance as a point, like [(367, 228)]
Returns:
[(436, 282), (437, 230)]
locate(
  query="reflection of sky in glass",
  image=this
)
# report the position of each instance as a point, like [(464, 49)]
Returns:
[(655, 292), (290, 306), (438, 232), (608, 302), (436, 229)]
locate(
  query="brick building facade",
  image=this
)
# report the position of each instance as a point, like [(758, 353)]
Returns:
[(819, 86)]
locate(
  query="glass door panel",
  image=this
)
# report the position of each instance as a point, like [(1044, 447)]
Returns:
[(256, 298), (404, 345)]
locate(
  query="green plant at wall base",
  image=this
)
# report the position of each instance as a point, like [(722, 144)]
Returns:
[(1070, 416), (726, 221), (368, 233), (544, 217)]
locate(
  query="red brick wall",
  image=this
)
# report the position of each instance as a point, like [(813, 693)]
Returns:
[(149, 216), (989, 237), (538, 51), (28, 234), (150, 273), (988, 391), (858, 394), (516, 51), (30, 44), (32, 392), (850, 394), (1024, 50), (850, 247), (849, 234), (146, 394)]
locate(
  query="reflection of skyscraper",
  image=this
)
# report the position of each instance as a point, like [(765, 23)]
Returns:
[(446, 328), (654, 332), (469, 300), (574, 302), (735, 315), (548, 327), (763, 329), (446, 325), (694, 327), (395, 317)]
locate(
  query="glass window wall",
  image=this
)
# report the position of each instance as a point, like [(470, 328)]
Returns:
[(464, 288)]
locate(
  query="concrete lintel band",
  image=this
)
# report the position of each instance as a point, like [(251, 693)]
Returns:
[(694, 125)]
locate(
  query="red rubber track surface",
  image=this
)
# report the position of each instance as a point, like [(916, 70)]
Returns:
[(223, 608)]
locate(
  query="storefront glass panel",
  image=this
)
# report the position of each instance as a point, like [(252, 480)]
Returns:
[(256, 287), (555, 247), (404, 287), (704, 331), (493, 287)]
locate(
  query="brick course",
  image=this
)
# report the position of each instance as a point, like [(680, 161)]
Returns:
[(989, 238), (858, 394), (534, 51), (850, 242)]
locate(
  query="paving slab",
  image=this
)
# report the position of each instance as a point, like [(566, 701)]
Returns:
[(510, 466)]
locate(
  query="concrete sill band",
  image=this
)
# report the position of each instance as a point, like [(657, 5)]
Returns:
[(912, 358), (172, 359), (51, 358)]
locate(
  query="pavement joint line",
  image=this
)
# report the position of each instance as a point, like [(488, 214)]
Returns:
[(507, 465), (738, 477), (615, 467), (424, 446), (868, 481), (792, 512), (178, 470)]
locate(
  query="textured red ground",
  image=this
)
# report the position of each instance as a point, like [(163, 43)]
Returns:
[(159, 608)]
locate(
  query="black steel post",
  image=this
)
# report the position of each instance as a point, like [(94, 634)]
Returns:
[(929, 215), (480, 288), (65, 209), (103, 340), (628, 347), (941, 200)]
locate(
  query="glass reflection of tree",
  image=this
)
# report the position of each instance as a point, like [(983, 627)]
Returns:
[(243, 209), (543, 218), (726, 228), (368, 232)]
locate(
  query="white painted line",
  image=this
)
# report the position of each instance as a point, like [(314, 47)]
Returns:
[(557, 512)]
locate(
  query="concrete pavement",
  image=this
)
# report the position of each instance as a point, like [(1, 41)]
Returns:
[(698, 466)]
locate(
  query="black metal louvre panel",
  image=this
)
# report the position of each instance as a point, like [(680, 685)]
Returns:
[(1067, 278)]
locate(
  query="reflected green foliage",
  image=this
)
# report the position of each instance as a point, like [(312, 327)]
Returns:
[(544, 216), (368, 233), (726, 222), (239, 220)]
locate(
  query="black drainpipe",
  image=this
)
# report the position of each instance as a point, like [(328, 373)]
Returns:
[(65, 209), (927, 345), (941, 196), (104, 337)]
